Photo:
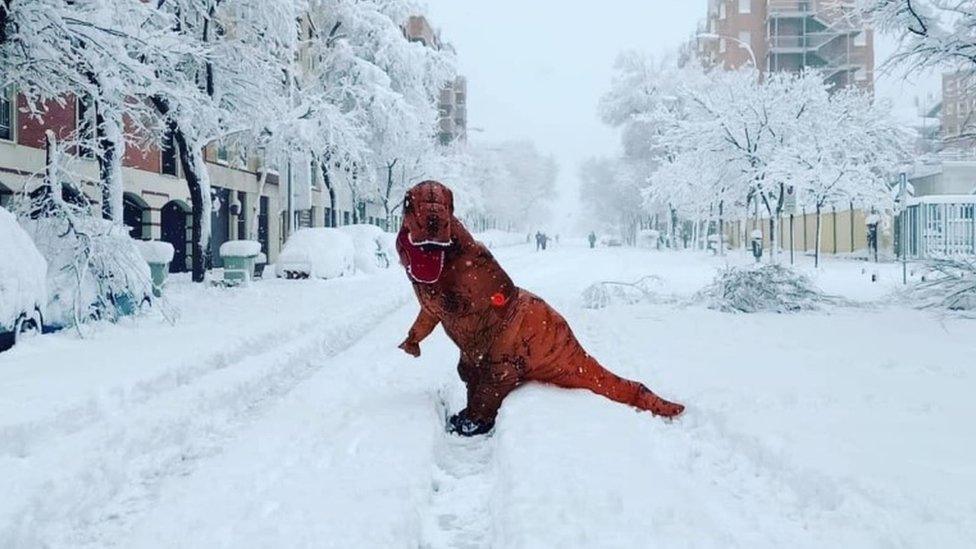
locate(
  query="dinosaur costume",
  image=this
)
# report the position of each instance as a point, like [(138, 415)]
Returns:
[(507, 335)]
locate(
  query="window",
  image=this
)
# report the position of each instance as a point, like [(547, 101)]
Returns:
[(313, 169), (168, 154), (345, 217), (328, 217), (745, 6), (861, 39), (746, 38), (222, 154), (8, 115)]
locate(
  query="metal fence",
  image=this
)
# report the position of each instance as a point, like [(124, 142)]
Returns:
[(939, 226)]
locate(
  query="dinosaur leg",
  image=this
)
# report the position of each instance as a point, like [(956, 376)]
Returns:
[(583, 372), (486, 391)]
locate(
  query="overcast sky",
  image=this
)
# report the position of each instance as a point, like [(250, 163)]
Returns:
[(537, 69)]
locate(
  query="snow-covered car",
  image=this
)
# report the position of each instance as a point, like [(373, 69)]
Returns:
[(23, 289), (374, 247), (94, 269), (318, 252)]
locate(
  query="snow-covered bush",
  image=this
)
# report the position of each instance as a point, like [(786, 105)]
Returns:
[(94, 270), (370, 241), (765, 288), (23, 272), (950, 284), (318, 252), (604, 294)]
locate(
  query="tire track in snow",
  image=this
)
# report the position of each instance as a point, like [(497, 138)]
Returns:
[(123, 459)]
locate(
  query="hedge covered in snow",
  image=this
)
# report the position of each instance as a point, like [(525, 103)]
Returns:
[(763, 288)]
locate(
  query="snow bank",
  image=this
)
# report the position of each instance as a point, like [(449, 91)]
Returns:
[(368, 240), (494, 238), (240, 248), (317, 252), (155, 251), (766, 288), (22, 272)]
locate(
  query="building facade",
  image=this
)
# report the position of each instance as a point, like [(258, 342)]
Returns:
[(958, 114), (789, 35), (452, 104)]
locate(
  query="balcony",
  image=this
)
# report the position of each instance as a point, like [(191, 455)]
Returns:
[(791, 8)]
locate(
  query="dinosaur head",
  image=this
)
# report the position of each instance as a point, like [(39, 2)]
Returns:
[(425, 236)]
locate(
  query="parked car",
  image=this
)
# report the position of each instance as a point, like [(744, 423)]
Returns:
[(374, 247), (23, 287), (318, 252), (95, 272)]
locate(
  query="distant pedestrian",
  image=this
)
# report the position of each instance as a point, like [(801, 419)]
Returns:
[(592, 239), (538, 241), (545, 240)]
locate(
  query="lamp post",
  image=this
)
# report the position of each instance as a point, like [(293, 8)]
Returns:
[(744, 45)]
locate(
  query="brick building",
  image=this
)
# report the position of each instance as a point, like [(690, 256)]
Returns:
[(958, 114), (789, 35)]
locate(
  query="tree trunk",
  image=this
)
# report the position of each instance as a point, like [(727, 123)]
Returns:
[(816, 247), (111, 148), (327, 181), (253, 230), (721, 228), (198, 183)]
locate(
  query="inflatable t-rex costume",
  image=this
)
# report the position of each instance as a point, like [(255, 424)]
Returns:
[(507, 335)]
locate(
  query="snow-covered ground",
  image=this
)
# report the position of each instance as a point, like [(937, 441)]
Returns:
[(283, 415)]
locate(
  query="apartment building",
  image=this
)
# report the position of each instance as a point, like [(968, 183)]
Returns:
[(789, 35), (452, 124), (958, 114)]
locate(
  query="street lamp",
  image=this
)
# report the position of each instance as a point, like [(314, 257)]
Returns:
[(744, 45)]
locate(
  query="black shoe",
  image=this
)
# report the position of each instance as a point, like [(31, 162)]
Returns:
[(460, 424)]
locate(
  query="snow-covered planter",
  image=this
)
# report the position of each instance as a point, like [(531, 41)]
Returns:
[(158, 255), (317, 252), (373, 248), (155, 251), (949, 284), (762, 288), (604, 294), (94, 269), (240, 248), (23, 289)]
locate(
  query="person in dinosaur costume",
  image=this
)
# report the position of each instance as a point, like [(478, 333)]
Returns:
[(507, 336)]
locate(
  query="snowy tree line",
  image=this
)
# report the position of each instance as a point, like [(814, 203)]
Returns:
[(507, 185), (713, 145), (331, 81)]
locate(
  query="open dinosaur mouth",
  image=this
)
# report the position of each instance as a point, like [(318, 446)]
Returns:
[(425, 260)]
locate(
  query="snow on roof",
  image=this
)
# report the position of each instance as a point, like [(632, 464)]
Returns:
[(943, 199)]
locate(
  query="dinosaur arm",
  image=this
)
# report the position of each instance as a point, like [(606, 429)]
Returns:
[(422, 327)]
